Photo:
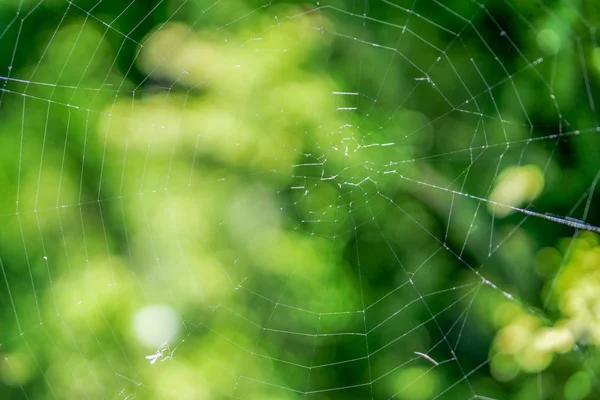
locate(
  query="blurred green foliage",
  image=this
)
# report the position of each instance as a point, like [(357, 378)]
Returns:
[(316, 194)]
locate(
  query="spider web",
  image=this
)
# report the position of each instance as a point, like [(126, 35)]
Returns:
[(309, 186)]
